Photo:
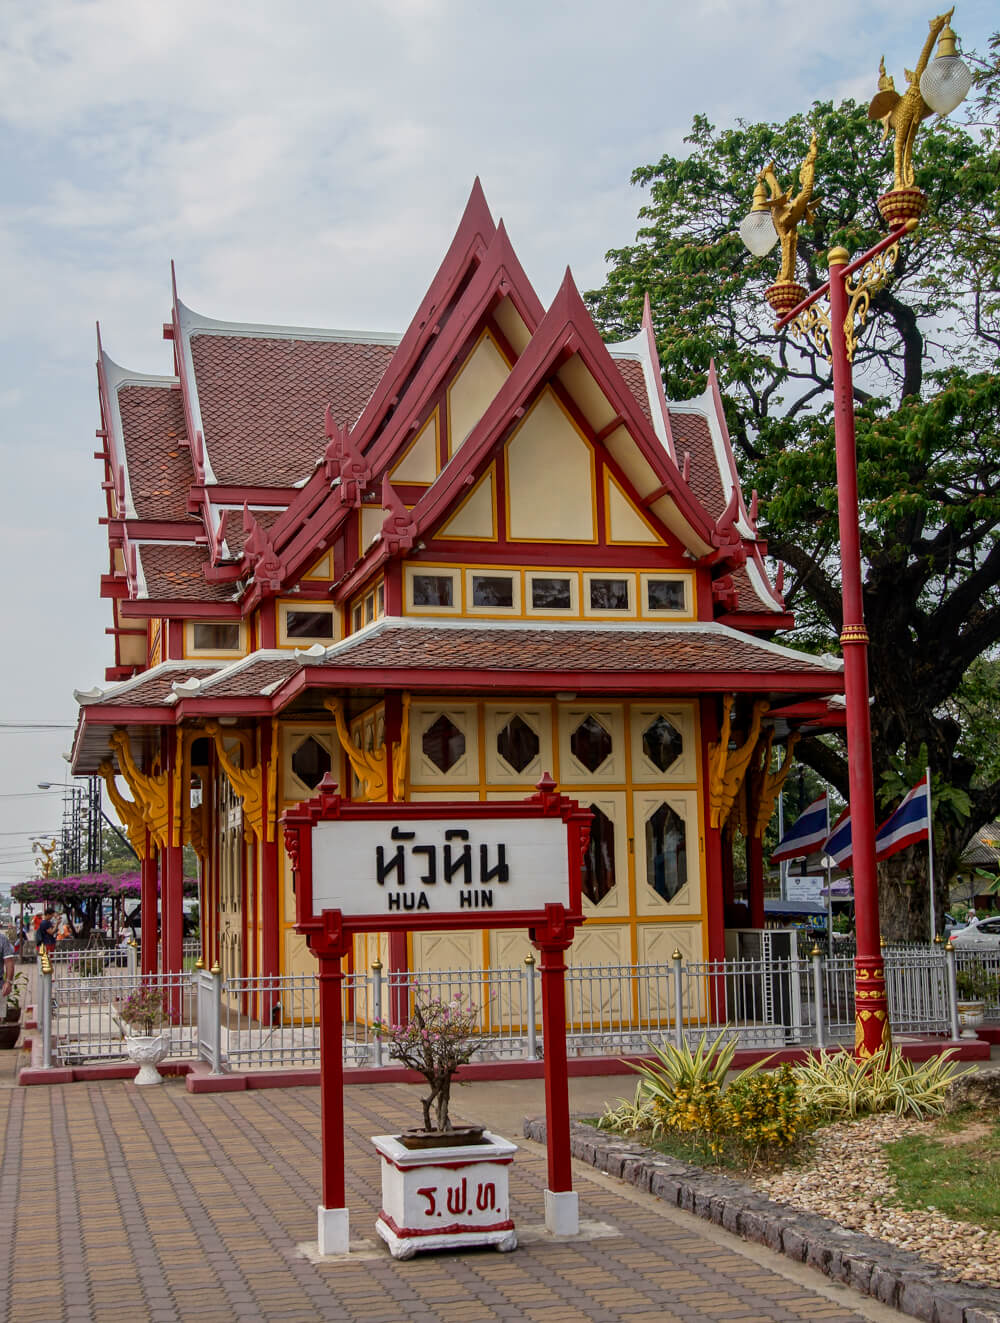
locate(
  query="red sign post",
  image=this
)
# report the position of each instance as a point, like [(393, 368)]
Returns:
[(438, 865)]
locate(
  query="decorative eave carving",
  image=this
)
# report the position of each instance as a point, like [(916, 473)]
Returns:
[(399, 530), (150, 791), (371, 767), (728, 767), (256, 785), (342, 460), (260, 555), (129, 811)]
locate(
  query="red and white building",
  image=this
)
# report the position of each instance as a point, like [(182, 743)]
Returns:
[(437, 566)]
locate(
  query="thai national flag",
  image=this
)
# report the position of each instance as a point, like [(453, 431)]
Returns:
[(809, 831), (838, 844), (911, 822)]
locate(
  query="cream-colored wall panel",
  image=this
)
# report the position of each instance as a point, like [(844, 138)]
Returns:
[(459, 950), (625, 523), (291, 787), (430, 795), (675, 853), (658, 941), (512, 325), (656, 946), (472, 391), (518, 742), (508, 948), (323, 569), (420, 461), (464, 769), (476, 518), (612, 805), (604, 944), (653, 743), (372, 519), (550, 478), (613, 767), (587, 395)]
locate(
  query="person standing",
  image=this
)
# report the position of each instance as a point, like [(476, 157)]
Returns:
[(7, 956), (46, 934)]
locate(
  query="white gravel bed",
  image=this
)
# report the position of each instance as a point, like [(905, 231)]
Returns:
[(846, 1178)]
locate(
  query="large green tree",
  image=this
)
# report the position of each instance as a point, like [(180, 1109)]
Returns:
[(928, 416)]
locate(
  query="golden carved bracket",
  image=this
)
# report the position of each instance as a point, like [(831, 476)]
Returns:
[(814, 325), (151, 792), (369, 767), (767, 784), (859, 289), (401, 754), (130, 813), (727, 768), (248, 782)]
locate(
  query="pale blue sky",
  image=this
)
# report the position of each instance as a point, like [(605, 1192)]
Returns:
[(307, 163)]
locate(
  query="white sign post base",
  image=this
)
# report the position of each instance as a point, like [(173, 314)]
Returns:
[(562, 1212), (332, 1230)]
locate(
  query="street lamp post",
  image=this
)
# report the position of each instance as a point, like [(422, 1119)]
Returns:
[(938, 85)]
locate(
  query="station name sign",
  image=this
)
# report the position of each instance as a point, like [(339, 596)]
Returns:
[(430, 866), (379, 867)]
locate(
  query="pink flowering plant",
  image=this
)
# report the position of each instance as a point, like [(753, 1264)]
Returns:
[(440, 1037), (142, 1011)]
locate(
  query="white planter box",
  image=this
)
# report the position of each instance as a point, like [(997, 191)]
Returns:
[(445, 1198)]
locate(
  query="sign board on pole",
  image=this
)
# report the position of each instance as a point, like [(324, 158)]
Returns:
[(804, 887), (380, 867)]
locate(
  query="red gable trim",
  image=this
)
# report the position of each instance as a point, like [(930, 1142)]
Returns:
[(565, 329), (499, 274)]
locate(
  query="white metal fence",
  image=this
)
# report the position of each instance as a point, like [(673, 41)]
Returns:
[(612, 1010)]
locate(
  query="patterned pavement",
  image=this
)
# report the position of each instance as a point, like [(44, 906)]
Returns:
[(155, 1205)]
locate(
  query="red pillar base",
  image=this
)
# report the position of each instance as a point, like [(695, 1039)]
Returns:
[(871, 1022)]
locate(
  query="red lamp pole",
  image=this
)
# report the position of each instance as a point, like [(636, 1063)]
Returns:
[(871, 1025)]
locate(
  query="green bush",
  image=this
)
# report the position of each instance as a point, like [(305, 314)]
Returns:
[(764, 1114), (838, 1087)]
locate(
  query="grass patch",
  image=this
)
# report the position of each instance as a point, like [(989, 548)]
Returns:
[(697, 1153), (956, 1171)]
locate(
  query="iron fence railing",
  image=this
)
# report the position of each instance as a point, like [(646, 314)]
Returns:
[(260, 1023), (83, 1013)]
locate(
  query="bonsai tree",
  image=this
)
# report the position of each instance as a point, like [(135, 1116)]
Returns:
[(440, 1037), (142, 1011)]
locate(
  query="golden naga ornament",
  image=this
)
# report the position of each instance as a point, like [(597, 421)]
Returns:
[(786, 213), (901, 116)]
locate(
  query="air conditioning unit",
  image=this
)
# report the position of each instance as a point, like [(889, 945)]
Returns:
[(768, 992)]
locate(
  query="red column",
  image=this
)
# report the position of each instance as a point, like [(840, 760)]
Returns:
[(755, 881), (270, 872), (331, 1097), (872, 1021), (553, 970), (148, 889)]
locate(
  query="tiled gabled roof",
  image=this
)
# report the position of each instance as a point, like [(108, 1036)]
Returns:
[(151, 689), (177, 573), (159, 462), (697, 648), (635, 381), (262, 401)]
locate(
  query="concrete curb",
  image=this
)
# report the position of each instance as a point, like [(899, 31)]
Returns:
[(893, 1276)]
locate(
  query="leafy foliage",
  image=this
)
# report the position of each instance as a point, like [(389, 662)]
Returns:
[(927, 395), (142, 1010), (839, 1087)]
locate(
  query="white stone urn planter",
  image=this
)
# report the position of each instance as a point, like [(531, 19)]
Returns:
[(445, 1197), (970, 1016), (147, 1052)]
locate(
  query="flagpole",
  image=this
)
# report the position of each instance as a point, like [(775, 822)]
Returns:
[(930, 846), (783, 863), (829, 885)]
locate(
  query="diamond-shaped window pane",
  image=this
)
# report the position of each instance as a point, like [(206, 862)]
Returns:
[(518, 744), (599, 861), (443, 743), (311, 762), (666, 852), (591, 743), (662, 743)]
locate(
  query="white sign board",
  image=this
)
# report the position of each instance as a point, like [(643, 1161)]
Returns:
[(436, 866), (804, 888)]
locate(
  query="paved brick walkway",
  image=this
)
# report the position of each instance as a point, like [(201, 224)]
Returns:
[(157, 1205)]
